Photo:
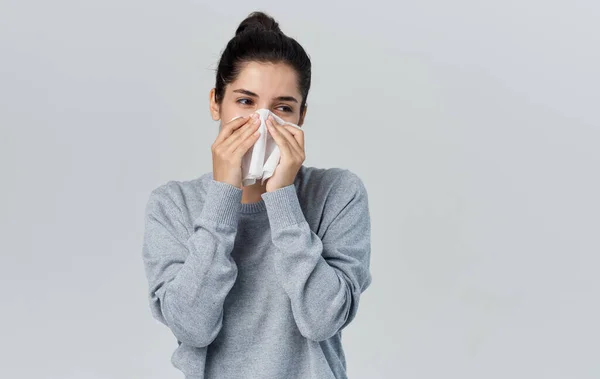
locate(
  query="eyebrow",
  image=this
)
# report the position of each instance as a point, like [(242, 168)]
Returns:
[(280, 98)]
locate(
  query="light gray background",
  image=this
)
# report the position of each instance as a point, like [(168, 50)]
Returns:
[(474, 125)]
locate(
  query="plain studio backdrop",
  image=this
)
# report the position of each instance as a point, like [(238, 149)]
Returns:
[(474, 125)]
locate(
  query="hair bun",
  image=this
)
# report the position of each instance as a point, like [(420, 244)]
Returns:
[(258, 21)]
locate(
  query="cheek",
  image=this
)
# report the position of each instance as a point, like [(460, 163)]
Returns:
[(228, 112), (230, 109)]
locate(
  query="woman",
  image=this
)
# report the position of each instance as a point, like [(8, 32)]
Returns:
[(258, 281)]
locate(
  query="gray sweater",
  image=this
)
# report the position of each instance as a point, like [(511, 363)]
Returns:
[(258, 290)]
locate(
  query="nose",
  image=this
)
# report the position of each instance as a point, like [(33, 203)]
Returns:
[(264, 105)]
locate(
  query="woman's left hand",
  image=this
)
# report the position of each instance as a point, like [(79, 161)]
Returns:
[(290, 141)]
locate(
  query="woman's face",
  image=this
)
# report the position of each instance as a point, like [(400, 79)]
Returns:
[(260, 85)]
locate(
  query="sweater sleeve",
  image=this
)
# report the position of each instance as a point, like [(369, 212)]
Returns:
[(323, 277), (190, 274)]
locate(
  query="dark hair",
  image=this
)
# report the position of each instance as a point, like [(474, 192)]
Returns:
[(259, 38)]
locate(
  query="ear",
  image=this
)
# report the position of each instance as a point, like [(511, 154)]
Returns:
[(215, 109), (301, 121)]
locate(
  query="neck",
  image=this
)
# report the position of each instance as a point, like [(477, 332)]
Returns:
[(252, 193)]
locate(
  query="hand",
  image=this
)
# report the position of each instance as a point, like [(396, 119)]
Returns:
[(290, 141), (234, 140)]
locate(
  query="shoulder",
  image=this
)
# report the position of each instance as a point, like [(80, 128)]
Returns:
[(337, 180), (174, 195), (346, 188), (329, 176), (340, 204), (331, 188), (349, 181)]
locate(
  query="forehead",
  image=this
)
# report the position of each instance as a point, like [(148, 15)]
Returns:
[(267, 78)]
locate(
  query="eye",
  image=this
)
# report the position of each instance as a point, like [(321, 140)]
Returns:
[(286, 109), (241, 101)]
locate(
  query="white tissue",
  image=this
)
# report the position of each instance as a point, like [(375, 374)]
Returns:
[(262, 158)]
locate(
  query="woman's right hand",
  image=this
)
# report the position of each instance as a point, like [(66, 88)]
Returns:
[(234, 140)]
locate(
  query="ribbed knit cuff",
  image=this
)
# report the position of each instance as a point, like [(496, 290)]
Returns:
[(222, 204), (283, 207)]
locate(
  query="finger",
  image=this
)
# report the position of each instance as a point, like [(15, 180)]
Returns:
[(230, 127), (240, 134), (280, 140), (297, 133), (245, 145), (293, 144), (249, 132)]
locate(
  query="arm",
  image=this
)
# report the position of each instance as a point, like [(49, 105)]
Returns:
[(189, 276), (323, 278)]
